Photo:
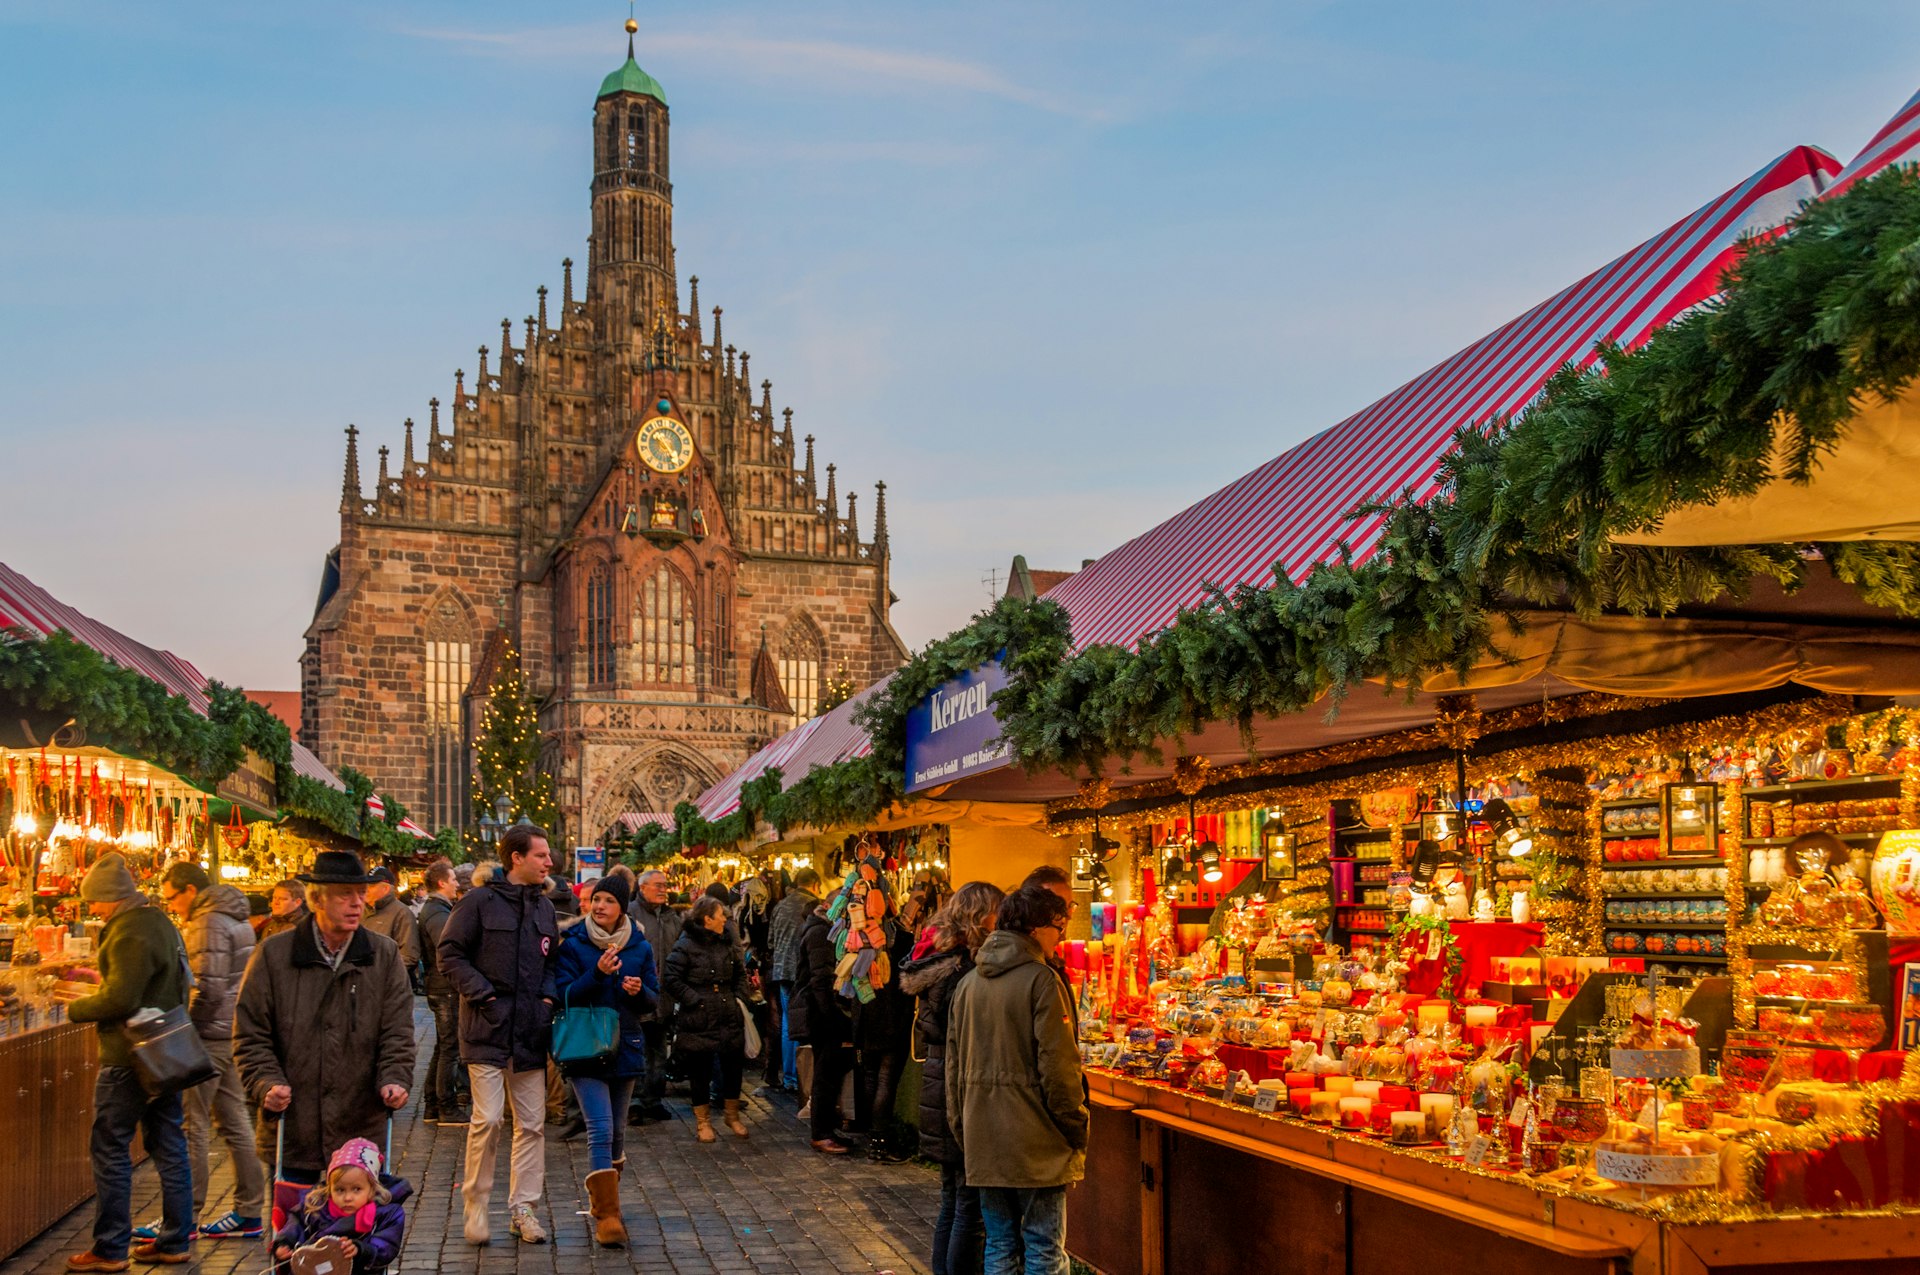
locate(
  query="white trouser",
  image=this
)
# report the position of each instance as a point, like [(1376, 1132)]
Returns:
[(492, 1087)]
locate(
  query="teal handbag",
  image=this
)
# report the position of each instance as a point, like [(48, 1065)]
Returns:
[(585, 1035)]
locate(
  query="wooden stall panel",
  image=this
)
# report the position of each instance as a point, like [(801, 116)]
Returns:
[(1103, 1211), (1229, 1213), (1392, 1238)]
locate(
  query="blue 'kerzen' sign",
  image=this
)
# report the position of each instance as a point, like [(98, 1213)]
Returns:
[(953, 732)]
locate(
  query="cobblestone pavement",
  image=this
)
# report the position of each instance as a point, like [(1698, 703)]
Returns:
[(759, 1207)]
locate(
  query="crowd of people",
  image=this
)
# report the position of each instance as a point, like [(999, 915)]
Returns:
[(552, 1009)]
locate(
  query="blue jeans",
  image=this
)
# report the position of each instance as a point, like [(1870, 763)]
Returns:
[(956, 1235), (789, 1051), (121, 1106), (603, 1103), (1031, 1217)]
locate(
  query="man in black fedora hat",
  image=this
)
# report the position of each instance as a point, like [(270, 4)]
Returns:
[(323, 1031)]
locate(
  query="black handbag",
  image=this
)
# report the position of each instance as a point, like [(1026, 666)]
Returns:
[(168, 1055)]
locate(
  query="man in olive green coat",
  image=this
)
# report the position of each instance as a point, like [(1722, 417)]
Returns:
[(1015, 1100), (142, 966)]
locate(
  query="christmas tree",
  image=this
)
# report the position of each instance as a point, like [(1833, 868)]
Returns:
[(507, 753)]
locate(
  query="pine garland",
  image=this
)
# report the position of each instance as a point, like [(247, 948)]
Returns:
[(1812, 324), (131, 714)]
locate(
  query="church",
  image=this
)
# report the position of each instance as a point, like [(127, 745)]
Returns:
[(612, 496)]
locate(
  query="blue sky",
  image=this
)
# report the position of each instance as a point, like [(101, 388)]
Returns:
[(1053, 271)]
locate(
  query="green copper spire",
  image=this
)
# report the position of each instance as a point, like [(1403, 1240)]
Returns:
[(630, 78)]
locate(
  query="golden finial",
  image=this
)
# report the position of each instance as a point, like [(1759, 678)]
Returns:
[(632, 26)]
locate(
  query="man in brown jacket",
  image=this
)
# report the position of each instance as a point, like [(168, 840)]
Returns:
[(1015, 1101), (323, 1031)]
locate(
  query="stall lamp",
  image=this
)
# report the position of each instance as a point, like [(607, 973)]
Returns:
[(1429, 857), (1101, 881), (1210, 869), (1510, 831)]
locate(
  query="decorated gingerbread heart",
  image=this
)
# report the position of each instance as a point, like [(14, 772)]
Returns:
[(325, 1256)]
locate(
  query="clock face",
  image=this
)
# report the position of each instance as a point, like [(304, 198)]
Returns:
[(664, 445)]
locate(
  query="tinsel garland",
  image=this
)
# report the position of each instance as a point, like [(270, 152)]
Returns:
[(1606, 755), (1739, 964)]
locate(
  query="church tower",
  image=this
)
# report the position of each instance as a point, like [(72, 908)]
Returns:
[(631, 275)]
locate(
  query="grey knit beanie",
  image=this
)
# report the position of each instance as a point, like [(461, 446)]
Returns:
[(108, 881)]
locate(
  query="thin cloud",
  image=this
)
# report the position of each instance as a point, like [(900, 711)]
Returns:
[(816, 61)]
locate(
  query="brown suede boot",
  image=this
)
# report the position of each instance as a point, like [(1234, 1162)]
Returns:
[(620, 1167), (603, 1204), (736, 1126), (703, 1127)]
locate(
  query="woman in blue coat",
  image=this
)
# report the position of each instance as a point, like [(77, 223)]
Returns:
[(606, 961)]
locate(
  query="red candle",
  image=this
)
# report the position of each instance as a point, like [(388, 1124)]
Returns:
[(1298, 1100)]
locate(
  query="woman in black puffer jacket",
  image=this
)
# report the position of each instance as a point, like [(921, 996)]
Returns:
[(959, 928), (706, 978)]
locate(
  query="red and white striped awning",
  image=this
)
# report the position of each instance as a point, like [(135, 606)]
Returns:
[(26, 606), (634, 820), (1292, 511), (378, 809), (820, 741), (1898, 142)]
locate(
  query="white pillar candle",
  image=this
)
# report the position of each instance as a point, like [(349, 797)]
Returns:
[(1355, 1112), (1323, 1106), (1340, 1086), (1434, 1013), (1368, 1089), (1438, 1109), (1408, 1128), (1481, 1015)]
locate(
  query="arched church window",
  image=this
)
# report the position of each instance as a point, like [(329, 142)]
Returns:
[(449, 667), (666, 629), (802, 655), (599, 634), (636, 138)]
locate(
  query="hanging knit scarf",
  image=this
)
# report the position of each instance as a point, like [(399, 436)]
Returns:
[(604, 939)]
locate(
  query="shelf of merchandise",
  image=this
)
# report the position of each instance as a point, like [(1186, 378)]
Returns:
[(1770, 792), (1861, 838), (1666, 925), (1697, 894), (1679, 861)]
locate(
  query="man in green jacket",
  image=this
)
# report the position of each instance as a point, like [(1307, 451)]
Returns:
[(141, 962), (1015, 1100)]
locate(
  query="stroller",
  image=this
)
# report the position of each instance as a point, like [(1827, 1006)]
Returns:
[(285, 1198)]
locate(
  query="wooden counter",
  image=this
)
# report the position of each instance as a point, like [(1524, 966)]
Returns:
[(1178, 1184), (46, 1115)]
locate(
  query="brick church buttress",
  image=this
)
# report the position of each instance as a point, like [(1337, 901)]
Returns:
[(638, 598)]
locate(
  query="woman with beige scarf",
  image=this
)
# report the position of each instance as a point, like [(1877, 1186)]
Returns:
[(606, 961)]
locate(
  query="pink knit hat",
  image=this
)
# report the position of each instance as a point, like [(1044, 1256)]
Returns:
[(359, 1153)]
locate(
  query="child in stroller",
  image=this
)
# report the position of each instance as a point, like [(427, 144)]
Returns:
[(353, 1204)]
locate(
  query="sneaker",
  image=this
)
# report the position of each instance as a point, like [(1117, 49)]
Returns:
[(232, 1227), (151, 1231), (524, 1226)]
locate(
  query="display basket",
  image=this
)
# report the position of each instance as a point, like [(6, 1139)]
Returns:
[(1638, 1168), (1655, 1064)]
